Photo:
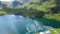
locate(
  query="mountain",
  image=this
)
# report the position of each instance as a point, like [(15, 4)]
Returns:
[(48, 8)]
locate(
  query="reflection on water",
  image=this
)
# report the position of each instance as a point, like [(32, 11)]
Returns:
[(13, 24)]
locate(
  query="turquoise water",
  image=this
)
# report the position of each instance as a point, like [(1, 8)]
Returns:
[(48, 22), (14, 24), (17, 24)]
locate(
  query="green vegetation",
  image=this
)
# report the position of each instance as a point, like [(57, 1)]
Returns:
[(2, 13), (50, 9), (58, 30), (54, 16), (52, 32)]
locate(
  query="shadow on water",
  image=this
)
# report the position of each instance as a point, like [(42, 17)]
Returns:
[(49, 22)]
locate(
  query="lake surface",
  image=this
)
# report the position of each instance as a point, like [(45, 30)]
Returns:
[(17, 24)]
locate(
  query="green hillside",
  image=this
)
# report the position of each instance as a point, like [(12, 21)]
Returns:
[(49, 9)]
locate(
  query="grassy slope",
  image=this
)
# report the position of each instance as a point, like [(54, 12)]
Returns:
[(54, 16), (44, 7)]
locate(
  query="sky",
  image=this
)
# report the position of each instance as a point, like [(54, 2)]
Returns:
[(6, 0)]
